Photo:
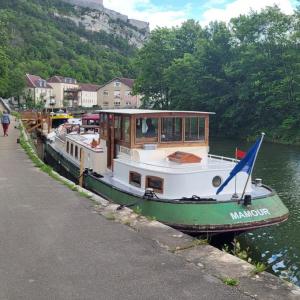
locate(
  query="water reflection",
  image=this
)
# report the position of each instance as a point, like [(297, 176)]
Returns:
[(279, 167)]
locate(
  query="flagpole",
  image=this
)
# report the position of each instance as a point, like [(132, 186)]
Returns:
[(235, 195), (252, 167)]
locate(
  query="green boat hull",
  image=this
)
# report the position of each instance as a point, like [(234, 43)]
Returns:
[(194, 216)]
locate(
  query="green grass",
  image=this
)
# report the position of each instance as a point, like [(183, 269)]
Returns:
[(231, 281), (137, 210), (259, 267), (28, 148)]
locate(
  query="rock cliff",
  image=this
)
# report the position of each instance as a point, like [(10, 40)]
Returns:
[(93, 16)]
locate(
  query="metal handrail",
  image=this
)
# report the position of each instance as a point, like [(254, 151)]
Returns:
[(223, 158)]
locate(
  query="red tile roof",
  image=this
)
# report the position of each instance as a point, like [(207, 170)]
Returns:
[(61, 79), (127, 81), (89, 87), (34, 81)]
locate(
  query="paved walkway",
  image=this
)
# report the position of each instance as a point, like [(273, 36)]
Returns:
[(54, 246)]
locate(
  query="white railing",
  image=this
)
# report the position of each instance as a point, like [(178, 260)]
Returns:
[(223, 158)]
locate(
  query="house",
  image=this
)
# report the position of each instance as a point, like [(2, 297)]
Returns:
[(38, 90), (87, 95), (117, 93), (64, 89)]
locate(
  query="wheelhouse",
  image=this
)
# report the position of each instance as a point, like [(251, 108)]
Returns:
[(152, 129)]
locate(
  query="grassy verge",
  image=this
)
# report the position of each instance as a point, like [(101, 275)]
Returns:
[(29, 149)]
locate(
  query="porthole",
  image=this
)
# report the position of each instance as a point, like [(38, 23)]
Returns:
[(216, 182)]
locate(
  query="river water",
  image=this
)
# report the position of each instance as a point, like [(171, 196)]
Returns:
[(277, 246)]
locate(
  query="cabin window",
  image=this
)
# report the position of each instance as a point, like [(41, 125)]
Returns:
[(155, 183), (216, 182), (71, 152), (125, 129), (76, 152), (171, 129), (103, 122), (68, 146), (117, 127), (194, 129), (135, 179), (146, 129)]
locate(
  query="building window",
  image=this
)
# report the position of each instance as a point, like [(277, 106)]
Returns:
[(117, 94), (127, 93), (135, 179), (105, 93), (155, 183), (68, 146), (117, 103), (76, 152), (71, 152), (146, 128), (117, 84), (171, 129), (105, 103), (194, 129)]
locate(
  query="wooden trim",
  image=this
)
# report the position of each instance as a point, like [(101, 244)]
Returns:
[(172, 145), (169, 114), (132, 130), (206, 129), (160, 191), (133, 183)]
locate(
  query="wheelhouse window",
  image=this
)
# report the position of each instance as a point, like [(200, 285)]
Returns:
[(135, 179), (71, 152), (146, 130), (194, 129), (155, 183), (117, 127), (68, 146), (125, 129), (171, 129), (103, 125)]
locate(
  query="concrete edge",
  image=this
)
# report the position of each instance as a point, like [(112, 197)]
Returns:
[(206, 257)]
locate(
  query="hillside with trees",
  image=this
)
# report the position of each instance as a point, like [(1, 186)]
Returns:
[(36, 40), (247, 71)]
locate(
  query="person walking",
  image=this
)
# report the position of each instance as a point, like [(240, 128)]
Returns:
[(5, 120)]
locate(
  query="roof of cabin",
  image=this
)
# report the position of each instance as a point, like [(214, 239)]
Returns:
[(90, 117), (149, 111)]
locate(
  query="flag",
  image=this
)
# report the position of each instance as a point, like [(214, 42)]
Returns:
[(245, 165), (239, 154)]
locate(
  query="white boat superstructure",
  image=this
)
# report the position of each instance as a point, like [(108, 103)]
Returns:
[(173, 169)]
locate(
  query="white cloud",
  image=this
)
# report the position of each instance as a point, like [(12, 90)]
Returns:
[(239, 7), (161, 16), (144, 10)]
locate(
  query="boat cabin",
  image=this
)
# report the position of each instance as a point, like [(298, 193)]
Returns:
[(90, 122), (128, 129)]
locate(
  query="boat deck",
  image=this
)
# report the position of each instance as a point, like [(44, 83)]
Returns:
[(211, 163)]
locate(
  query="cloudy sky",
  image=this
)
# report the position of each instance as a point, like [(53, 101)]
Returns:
[(174, 12)]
